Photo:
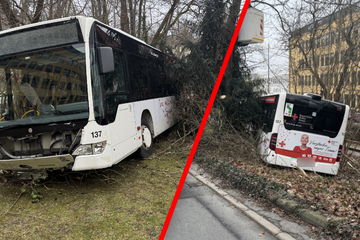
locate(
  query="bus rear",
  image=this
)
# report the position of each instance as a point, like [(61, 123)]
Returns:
[(304, 131)]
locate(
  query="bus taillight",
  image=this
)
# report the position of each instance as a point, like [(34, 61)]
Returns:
[(273, 140), (339, 153)]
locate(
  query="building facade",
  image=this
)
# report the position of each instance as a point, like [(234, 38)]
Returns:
[(324, 57)]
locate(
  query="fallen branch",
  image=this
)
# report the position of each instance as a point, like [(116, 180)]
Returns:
[(11, 205), (352, 160), (175, 143), (301, 170)]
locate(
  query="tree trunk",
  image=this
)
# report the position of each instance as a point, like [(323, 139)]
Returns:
[(165, 21), (105, 18), (51, 10), (124, 19), (140, 18), (1, 26), (143, 20), (38, 11), (9, 13), (224, 37), (132, 12)]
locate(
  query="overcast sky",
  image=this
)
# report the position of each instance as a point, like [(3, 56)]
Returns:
[(269, 56)]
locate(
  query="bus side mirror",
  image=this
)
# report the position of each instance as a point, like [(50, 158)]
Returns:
[(106, 60)]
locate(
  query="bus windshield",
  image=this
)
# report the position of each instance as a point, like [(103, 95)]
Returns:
[(45, 86)]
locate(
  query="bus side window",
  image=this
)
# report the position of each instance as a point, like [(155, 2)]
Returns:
[(269, 110), (139, 72), (157, 76), (115, 87)]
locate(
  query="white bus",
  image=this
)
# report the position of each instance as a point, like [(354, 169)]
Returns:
[(77, 94), (304, 131)]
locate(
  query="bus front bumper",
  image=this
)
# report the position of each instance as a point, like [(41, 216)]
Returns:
[(47, 162)]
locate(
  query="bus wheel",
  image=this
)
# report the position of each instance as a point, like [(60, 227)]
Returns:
[(147, 140)]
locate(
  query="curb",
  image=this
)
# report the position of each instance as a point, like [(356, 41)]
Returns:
[(268, 226), (314, 218)]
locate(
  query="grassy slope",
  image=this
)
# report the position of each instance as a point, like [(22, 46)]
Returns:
[(127, 201)]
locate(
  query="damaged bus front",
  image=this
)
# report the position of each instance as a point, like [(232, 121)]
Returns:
[(43, 96), (77, 94)]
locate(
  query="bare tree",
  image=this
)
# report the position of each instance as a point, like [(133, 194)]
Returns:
[(124, 19), (323, 46)]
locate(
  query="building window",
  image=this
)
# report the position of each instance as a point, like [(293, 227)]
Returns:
[(342, 56), (318, 42), (312, 43), (326, 79), (335, 79), (327, 39), (332, 37), (309, 62), (353, 78), (318, 61), (322, 60), (343, 34), (323, 40), (356, 32), (331, 58), (313, 80), (326, 59)]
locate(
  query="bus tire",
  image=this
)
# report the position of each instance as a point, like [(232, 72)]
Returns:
[(147, 140)]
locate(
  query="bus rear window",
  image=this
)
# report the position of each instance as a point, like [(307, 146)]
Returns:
[(314, 116)]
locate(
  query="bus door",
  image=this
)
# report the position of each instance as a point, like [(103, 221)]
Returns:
[(119, 111), (269, 106)]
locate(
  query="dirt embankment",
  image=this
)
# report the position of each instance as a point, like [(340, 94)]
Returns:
[(234, 158)]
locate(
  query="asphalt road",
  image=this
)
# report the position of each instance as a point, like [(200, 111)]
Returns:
[(202, 214), (205, 211)]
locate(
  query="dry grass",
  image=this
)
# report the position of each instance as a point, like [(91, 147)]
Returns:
[(128, 201)]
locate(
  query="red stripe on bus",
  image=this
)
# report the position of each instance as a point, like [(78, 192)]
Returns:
[(270, 100)]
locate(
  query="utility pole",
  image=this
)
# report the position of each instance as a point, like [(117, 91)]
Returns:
[(268, 69)]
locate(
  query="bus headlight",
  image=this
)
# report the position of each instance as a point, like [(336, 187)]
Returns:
[(90, 149), (99, 147)]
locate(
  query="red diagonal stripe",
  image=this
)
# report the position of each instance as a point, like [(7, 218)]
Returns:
[(204, 120)]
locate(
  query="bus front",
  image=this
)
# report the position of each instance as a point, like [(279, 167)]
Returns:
[(43, 95)]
